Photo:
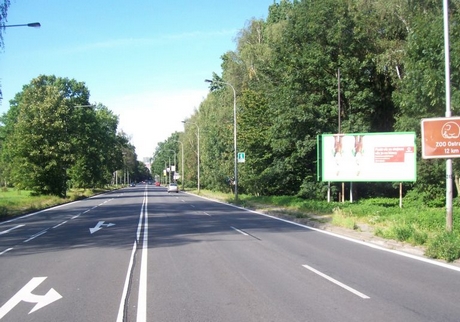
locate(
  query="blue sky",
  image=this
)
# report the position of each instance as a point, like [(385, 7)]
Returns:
[(146, 60)]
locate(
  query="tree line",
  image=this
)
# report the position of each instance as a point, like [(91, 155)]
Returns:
[(285, 71), (52, 139)]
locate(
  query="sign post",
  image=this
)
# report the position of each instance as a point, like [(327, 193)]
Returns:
[(441, 139)]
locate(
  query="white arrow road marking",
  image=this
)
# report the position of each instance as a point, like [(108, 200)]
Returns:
[(99, 227), (7, 231), (25, 294)]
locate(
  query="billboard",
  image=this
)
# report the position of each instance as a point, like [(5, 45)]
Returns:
[(367, 157)]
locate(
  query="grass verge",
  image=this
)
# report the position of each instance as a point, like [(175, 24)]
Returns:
[(415, 224)]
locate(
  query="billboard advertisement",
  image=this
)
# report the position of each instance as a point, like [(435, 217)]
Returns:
[(367, 157)]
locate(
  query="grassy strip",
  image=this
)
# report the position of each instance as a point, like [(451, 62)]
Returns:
[(414, 223), (18, 202)]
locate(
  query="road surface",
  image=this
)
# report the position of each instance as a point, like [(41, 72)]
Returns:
[(141, 254)]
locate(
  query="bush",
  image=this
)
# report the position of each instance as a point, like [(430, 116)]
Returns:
[(340, 218), (444, 246)]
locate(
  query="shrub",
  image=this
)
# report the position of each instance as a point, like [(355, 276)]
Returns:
[(403, 232), (340, 218), (444, 246)]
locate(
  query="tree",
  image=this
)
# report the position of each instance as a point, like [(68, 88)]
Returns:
[(53, 138), (4, 5), (39, 145), (95, 146)]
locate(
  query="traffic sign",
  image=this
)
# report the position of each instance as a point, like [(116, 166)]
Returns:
[(441, 138), (241, 157)]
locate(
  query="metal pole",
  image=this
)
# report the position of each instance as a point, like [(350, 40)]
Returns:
[(338, 96), (198, 156), (182, 166), (234, 143), (448, 114), (32, 24), (175, 165), (198, 153), (339, 122), (235, 150)]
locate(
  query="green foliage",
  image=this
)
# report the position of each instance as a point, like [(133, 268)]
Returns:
[(285, 73), (4, 5), (341, 219), (444, 246), (52, 138)]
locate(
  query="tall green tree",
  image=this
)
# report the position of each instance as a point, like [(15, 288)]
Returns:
[(39, 145), (52, 138)]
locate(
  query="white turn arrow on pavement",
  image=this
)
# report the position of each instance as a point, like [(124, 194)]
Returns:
[(99, 227), (25, 294)]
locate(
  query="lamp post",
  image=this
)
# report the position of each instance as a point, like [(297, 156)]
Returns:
[(32, 24), (174, 166), (198, 153), (235, 152), (182, 166)]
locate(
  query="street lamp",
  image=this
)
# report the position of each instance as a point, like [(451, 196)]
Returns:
[(169, 176), (235, 152), (32, 24), (198, 153), (182, 167)]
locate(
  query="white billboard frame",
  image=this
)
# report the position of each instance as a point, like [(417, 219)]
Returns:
[(367, 157)]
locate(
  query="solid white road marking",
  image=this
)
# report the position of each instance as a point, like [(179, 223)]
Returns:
[(25, 294), (142, 298), (124, 294), (361, 242), (348, 288), (7, 231)]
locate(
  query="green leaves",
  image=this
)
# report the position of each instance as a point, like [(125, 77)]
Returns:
[(52, 138), (285, 72)]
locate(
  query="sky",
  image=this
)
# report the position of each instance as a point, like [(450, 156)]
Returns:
[(146, 60)]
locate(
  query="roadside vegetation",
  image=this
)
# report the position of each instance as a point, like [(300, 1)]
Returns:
[(15, 202), (414, 223), (281, 83)]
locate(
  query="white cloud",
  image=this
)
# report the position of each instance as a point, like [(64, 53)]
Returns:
[(150, 118)]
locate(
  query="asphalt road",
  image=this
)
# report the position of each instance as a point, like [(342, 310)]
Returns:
[(141, 254)]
